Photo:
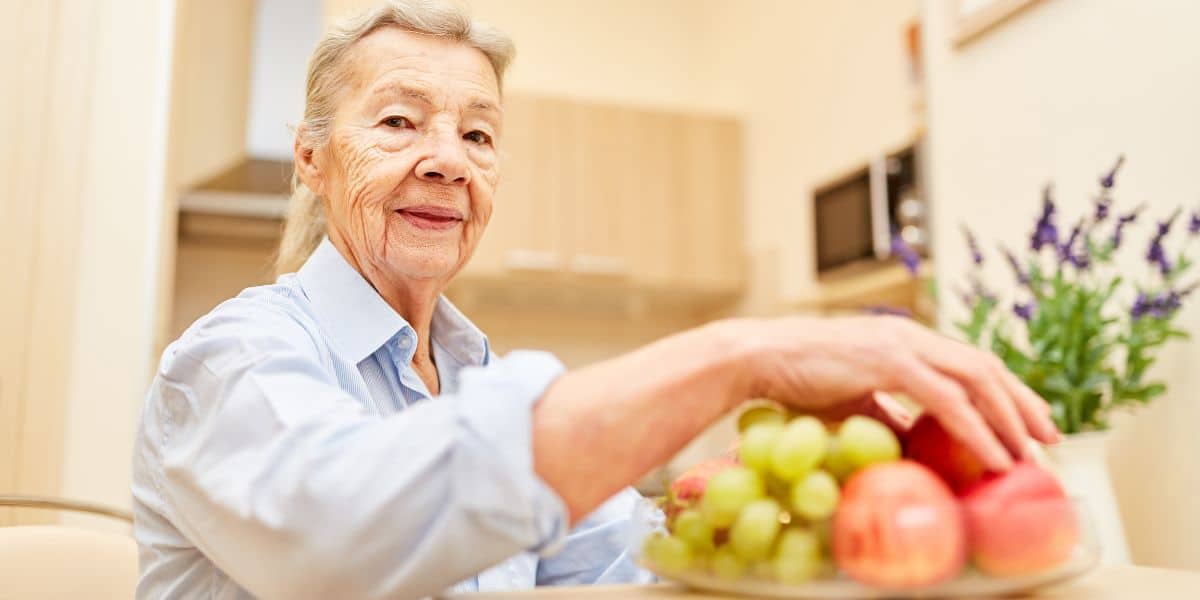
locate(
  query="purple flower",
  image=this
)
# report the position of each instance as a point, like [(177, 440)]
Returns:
[(1161, 306), (1025, 311), (978, 290), (1156, 254), (976, 253), (1102, 206), (1194, 223), (1108, 180), (907, 256), (1021, 275), (1122, 221), (1067, 253), (1141, 306), (1045, 232), (1066, 249)]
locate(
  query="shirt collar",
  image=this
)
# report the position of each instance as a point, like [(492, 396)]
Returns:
[(358, 321)]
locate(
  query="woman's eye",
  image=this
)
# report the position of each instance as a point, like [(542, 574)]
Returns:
[(398, 122), (478, 137)]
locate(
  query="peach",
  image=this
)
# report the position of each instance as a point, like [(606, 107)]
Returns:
[(1019, 522), (899, 527), (928, 443)]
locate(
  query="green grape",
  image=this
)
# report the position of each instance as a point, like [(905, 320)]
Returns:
[(757, 442), (727, 493), (670, 553), (726, 564), (763, 413), (690, 527), (795, 570), (837, 462), (866, 441), (797, 556), (815, 496), (754, 531), (799, 542), (800, 447)]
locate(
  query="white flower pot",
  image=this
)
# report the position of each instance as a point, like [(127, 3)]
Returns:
[(1081, 461)]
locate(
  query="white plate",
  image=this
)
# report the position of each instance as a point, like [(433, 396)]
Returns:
[(970, 583)]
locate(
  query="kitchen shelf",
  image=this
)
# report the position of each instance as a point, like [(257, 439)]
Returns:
[(253, 188), (866, 285)]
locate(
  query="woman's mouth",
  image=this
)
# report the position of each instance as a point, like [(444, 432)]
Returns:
[(435, 218)]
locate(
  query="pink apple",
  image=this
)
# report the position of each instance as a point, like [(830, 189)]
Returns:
[(1019, 522), (928, 443), (899, 527)]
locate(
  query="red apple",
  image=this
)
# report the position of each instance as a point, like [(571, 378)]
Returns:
[(930, 444), (1019, 522), (689, 486), (899, 527)]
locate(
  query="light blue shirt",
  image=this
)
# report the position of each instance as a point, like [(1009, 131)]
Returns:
[(287, 449)]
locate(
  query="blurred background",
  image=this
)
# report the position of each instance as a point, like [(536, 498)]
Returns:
[(667, 162)]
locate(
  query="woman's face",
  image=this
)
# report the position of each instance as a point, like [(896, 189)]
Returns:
[(411, 161)]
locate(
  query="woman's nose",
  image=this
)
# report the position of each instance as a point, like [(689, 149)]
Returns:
[(446, 161)]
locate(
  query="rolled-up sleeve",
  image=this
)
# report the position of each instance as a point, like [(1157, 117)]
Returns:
[(289, 487)]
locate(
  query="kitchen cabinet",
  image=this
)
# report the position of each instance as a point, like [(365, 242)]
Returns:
[(616, 198)]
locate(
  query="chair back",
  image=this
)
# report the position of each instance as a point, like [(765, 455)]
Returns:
[(55, 562)]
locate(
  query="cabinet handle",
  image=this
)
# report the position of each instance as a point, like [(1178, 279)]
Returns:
[(531, 260), (607, 266)]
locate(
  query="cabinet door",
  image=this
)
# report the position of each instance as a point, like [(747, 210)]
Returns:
[(525, 232), (600, 139), (656, 216), (711, 180)]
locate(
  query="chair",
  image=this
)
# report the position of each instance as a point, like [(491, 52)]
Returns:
[(54, 562)]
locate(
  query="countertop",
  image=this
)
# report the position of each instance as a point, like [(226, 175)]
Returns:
[(1105, 582)]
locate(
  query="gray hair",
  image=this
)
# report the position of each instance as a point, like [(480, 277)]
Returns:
[(304, 224)]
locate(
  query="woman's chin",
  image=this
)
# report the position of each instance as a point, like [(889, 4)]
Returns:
[(423, 262)]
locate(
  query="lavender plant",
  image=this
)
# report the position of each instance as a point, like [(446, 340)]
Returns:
[(1071, 331)]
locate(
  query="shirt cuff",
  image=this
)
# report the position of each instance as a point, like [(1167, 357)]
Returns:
[(497, 404)]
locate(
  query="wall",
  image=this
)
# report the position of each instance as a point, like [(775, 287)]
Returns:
[(285, 33), (48, 59), (821, 87), (85, 257), (1056, 94)]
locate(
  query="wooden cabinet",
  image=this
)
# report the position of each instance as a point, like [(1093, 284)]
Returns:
[(526, 233), (616, 198)]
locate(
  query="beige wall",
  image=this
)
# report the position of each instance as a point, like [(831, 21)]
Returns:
[(821, 86), (88, 218), (1057, 93), (46, 61)]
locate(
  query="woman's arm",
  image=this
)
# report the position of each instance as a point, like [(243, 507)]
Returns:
[(285, 483), (602, 427)]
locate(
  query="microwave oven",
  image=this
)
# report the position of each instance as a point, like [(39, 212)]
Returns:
[(856, 216)]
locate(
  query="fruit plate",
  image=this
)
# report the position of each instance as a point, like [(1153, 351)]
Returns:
[(837, 586)]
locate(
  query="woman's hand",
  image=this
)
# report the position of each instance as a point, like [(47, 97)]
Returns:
[(832, 365)]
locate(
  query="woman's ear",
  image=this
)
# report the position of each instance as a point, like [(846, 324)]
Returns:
[(304, 159)]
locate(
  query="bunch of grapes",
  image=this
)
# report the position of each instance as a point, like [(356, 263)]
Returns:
[(769, 517)]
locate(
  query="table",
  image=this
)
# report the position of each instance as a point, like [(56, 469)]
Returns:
[(1103, 583)]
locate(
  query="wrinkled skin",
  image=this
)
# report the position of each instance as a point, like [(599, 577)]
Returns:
[(410, 167)]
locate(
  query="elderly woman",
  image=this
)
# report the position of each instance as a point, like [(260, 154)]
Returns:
[(346, 432)]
